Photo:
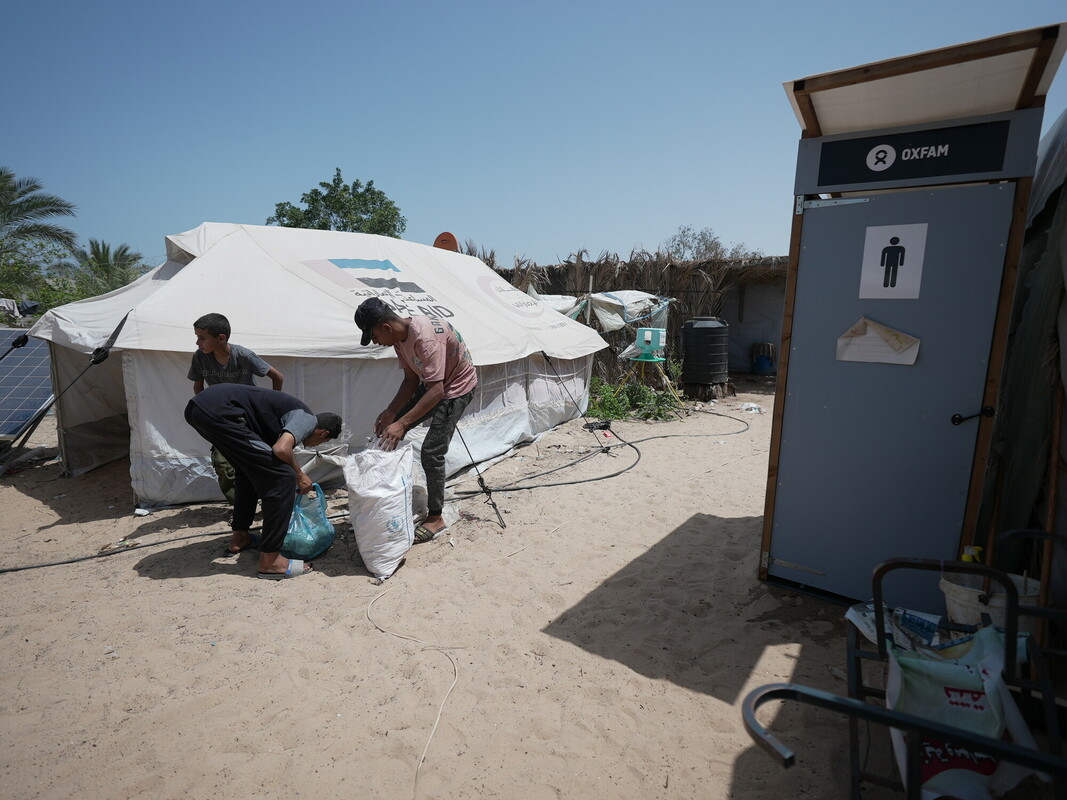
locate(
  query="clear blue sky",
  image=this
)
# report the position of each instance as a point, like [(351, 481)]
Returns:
[(531, 128)]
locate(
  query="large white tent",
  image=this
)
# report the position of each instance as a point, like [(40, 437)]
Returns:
[(290, 295)]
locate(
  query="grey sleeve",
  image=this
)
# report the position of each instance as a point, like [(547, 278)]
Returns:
[(299, 423), (257, 364), (195, 373)]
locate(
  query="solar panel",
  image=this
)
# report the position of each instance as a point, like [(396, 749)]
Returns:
[(25, 383)]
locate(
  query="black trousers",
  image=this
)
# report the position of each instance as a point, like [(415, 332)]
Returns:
[(443, 418), (259, 476)]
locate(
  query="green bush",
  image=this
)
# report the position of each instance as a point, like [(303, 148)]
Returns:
[(604, 403), (630, 400), (674, 370)]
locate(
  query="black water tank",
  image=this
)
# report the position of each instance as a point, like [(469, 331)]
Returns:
[(705, 351)]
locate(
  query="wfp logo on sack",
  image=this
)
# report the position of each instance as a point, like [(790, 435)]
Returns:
[(394, 525)]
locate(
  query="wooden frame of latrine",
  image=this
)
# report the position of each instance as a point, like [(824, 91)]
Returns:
[(1042, 42)]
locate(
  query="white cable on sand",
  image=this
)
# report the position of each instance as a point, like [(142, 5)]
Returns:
[(441, 708)]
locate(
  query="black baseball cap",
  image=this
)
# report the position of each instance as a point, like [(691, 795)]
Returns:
[(368, 315)]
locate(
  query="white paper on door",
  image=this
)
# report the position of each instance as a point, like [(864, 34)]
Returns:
[(876, 343)]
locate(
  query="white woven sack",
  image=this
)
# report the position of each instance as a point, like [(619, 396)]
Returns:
[(379, 504)]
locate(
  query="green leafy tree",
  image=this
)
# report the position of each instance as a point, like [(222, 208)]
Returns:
[(25, 211), (33, 271), (337, 206), (44, 272), (99, 269)]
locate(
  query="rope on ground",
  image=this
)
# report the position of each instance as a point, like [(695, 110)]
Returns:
[(125, 549), (441, 708), (133, 544), (489, 501), (512, 487)]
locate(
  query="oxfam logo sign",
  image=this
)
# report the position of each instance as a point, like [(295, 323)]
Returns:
[(881, 157)]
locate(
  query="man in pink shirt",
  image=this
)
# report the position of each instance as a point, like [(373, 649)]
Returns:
[(439, 381)]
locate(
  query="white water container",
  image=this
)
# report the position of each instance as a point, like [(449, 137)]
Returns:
[(962, 603)]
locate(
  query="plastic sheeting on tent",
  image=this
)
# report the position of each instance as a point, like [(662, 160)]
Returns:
[(290, 295), (1017, 491), (566, 304), (614, 310)]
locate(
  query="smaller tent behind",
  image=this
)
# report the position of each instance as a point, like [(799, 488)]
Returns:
[(290, 295)]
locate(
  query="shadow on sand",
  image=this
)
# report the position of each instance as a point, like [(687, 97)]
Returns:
[(206, 557), (658, 616)]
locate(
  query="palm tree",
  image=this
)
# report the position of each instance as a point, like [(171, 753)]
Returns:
[(24, 209), (98, 269)]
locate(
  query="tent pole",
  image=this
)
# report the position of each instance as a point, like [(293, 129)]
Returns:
[(589, 299), (99, 355)]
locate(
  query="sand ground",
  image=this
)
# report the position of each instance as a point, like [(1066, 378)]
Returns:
[(599, 646)]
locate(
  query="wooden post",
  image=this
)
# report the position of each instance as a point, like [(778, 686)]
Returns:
[(589, 299)]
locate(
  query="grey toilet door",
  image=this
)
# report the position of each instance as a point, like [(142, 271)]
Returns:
[(870, 465)]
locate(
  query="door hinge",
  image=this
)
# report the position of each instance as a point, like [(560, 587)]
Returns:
[(802, 204)]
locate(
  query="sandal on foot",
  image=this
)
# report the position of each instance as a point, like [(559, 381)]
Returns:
[(424, 534), (295, 569), (254, 542)]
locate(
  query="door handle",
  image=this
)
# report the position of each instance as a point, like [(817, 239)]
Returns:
[(987, 411)]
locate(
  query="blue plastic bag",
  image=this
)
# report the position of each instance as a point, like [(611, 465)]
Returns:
[(310, 532)]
